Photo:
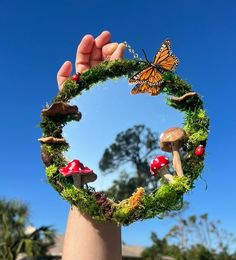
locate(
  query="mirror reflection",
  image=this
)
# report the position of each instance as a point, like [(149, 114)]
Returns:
[(118, 136)]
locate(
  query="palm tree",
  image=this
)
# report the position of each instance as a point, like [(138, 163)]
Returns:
[(14, 238)]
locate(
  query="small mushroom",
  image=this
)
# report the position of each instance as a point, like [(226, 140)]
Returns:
[(172, 140), (61, 109), (185, 96), (159, 167), (81, 174), (51, 140)]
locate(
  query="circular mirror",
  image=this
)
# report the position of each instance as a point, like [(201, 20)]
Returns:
[(116, 126), (118, 136)]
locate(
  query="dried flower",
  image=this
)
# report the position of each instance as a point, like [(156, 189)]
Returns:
[(136, 197)]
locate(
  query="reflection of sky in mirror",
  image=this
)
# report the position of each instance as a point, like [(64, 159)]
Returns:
[(104, 116)]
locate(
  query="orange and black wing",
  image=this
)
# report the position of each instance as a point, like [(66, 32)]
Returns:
[(150, 76), (164, 57), (145, 88)]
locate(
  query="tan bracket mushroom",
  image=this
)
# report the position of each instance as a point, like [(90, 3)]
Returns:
[(51, 140), (172, 140), (185, 96)]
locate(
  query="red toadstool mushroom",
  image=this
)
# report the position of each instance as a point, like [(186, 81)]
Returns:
[(159, 167), (81, 174)]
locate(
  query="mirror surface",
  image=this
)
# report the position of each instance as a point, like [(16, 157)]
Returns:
[(107, 110)]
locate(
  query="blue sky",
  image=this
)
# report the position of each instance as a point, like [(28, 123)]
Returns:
[(36, 37)]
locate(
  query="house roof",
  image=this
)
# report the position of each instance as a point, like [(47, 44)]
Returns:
[(128, 251)]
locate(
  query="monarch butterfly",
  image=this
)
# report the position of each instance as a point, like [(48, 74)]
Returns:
[(150, 78)]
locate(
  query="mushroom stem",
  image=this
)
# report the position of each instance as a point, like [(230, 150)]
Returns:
[(77, 181), (166, 174), (177, 162)]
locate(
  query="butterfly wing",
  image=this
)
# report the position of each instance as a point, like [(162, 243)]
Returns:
[(164, 57), (150, 78), (145, 88), (149, 75)]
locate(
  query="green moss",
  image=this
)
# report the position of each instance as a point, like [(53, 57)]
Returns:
[(197, 137), (169, 196), (51, 171)]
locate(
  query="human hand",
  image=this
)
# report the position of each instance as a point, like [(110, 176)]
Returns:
[(91, 52)]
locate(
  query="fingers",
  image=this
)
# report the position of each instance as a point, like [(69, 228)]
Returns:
[(108, 50), (96, 55), (63, 73), (119, 52), (84, 50)]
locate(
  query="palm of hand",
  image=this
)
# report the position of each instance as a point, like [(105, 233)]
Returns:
[(91, 52)]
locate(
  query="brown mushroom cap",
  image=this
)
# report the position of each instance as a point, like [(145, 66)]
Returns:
[(172, 136), (59, 109)]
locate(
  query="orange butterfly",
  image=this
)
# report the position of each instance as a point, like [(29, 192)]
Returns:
[(150, 78)]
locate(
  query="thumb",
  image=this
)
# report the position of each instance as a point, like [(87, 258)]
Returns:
[(63, 73)]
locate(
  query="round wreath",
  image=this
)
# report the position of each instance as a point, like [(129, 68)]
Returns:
[(169, 196)]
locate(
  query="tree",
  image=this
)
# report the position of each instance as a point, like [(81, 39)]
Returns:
[(14, 237), (136, 147), (199, 230), (195, 238), (160, 248)]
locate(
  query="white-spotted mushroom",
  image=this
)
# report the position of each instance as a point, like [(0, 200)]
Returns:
[(159, 167), (81, 174)]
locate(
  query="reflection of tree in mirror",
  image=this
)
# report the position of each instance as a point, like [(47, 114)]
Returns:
[(135, 146)]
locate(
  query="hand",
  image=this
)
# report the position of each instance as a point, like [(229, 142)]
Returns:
[(91, 52)]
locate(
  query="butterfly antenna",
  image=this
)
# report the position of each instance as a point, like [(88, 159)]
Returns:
[(145, 55)]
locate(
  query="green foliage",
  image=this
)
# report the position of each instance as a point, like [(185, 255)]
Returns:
[(83, 200), (14, 239), (107, 69), (51, 171), (169, 196), (196, 126), (192, 238)]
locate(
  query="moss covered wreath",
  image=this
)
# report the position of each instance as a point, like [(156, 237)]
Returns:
[(169, 196)]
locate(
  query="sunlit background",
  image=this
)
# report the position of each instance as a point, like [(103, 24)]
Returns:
[(36, 37)]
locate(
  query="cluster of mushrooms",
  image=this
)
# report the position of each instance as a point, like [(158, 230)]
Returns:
[(81, 174), (171, 141), (57, 110)]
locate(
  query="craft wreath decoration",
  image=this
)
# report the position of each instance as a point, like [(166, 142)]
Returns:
[(187, 144)]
